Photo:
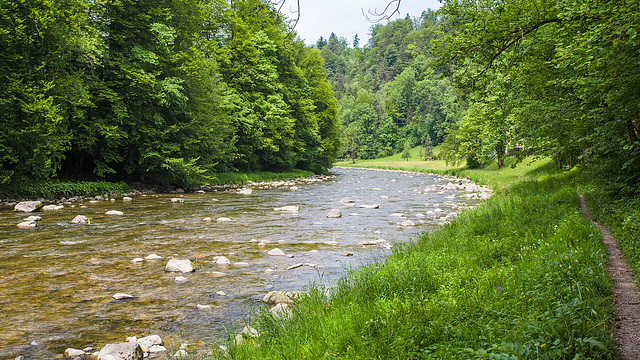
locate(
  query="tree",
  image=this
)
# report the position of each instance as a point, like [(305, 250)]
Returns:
[(406, 153), (428, 147), (562, 72)]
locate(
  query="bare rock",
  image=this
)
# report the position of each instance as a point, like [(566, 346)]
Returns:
[(121, 351), (28, 206), (72, 353), (276, 252), (177, 265), (347, 200), (374, 206), (222, 260), (80, 219), (177, 200), (52, 207), (120, 296), (334, 213), (151, 257), (277, 297), (281, 311), (114, 212), (290, 208), (27, 224)]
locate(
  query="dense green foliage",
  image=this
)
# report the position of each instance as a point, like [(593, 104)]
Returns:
[(164, 91), (388, 91), (556, 77), (522, 276), (57, 189)]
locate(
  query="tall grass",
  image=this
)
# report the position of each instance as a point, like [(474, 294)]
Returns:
[(53, 188), (523, 276)]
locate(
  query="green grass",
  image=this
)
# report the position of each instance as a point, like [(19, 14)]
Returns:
[(56, 188), (523, 276)]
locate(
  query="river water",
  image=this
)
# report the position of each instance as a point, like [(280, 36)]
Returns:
[(57, 280)]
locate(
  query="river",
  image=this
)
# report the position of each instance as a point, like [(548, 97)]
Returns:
[(57, 280)]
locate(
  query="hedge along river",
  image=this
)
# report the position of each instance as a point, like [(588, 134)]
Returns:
[(57, 280)]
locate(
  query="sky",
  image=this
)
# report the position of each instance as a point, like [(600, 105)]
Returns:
[(345, 18)]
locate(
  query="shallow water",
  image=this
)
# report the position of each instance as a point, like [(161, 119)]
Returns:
[(57, 280)]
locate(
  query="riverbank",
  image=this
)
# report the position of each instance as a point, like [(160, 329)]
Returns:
[(68, 192), (523, 275)]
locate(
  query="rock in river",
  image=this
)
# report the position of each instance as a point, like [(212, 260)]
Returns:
[(27, 224), (28, 206), (276, 252), (52, 207), (290, 208), (114, 212), (177, 200), (176, 265), (222, 260), (122, 351), (334, 213), (80, 219), (71, 353), (120, 296)]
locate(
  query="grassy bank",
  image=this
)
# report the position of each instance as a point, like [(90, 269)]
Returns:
[(59, 188), (521, 276)]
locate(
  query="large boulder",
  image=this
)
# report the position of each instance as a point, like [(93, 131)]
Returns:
[(28, 206), (121, 351), (176, 265), (334, 213)]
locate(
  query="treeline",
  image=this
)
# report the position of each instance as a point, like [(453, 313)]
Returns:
[(551, 78), (160, 91), (390, 94)]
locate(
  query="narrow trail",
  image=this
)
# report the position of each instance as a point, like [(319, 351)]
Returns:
[(625, 294)]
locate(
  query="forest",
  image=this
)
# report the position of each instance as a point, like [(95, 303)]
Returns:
[(390, 93), (170, 92), (164, 92)]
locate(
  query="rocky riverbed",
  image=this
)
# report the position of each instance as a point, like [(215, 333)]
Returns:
[(190, 266)]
